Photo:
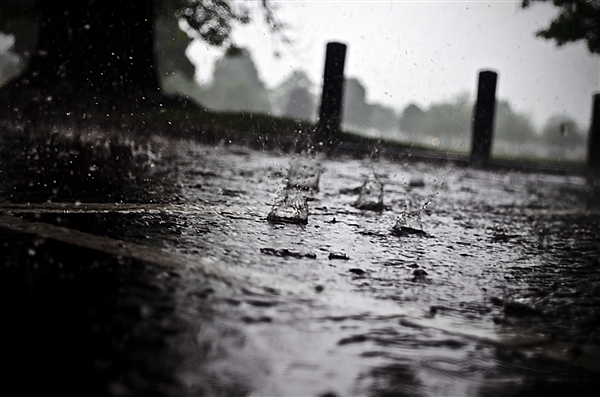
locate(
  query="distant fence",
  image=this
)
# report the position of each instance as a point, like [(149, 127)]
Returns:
[(482, 129)]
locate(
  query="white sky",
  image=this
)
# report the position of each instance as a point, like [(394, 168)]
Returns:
[(427, 51)]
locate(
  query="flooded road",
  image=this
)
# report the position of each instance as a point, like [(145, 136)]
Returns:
[(499, 295)]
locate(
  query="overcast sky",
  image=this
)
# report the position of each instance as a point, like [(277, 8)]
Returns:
[(427, 51)]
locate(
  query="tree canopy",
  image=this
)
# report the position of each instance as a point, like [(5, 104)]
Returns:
[(578, 20), (411, 118), (355, 109), (236, 85), (213, 20), (99, 55), (294, 97)]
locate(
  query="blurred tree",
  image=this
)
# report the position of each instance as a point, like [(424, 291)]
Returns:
[(382, 118), (171, 44), (300, 104), (452, 121), (176, 72), (577, 20), (562, 131), (293, 97), (9, 61), (99, 55), (513, 127), (24, 31), (411, 118), (236, 85), (355, 109), (448, 120)]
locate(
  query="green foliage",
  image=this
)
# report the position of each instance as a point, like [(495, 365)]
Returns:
[(577, 20)]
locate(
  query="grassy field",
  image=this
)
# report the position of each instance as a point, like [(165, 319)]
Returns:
[(263, 131)]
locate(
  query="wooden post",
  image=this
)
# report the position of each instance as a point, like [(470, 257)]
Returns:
[(483, 118), (593, 159), (330, 114)]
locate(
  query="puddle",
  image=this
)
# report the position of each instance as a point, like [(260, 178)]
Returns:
[(341, 305)]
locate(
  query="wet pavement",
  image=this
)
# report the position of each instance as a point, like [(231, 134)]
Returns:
[(170, 280)]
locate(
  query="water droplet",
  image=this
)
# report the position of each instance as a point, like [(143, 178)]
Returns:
[(371, 196), (292, 208)]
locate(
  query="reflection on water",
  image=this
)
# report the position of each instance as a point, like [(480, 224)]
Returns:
[(478, 307), (451, 345)]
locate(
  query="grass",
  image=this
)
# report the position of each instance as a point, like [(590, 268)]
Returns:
[(265, 131)]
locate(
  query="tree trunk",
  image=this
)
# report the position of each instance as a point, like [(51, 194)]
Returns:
[(91, 56)]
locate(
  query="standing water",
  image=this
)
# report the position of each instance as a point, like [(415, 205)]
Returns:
[(457, 297), (454, 297)]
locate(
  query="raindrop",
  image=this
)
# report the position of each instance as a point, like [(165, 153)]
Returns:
[(291, 208), (304, 174), (371, 196), (409, 222)]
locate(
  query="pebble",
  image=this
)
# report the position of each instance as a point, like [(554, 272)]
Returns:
[(357, 271)]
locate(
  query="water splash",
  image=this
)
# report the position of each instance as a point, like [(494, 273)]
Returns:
[(409, 221), (304, 174), (292, 207), (371, 196)]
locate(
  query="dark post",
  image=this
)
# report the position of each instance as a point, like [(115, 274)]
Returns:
[(330, 114), (594, 139), (483, 118)]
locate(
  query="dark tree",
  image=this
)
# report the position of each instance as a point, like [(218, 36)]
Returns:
[(9, 61), (577, 20), (171, 43), (98, 55)]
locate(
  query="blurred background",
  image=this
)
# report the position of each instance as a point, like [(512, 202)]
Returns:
[(411, 71)]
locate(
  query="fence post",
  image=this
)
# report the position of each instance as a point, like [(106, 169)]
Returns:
[(593, 159), (483, 118), (330, 114)]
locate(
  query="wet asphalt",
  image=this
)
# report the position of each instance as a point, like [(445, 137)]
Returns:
[(158, 274)]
